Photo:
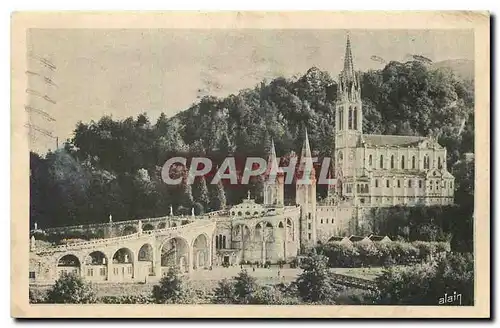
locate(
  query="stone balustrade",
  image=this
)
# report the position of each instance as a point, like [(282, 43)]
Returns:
[(106, 224), (136, 235)]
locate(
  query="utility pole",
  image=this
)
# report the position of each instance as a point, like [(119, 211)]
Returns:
[(40, 103)]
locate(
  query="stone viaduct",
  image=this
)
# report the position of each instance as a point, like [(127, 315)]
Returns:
[(142, 250)]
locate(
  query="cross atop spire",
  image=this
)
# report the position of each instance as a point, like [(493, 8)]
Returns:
[(348, 70)]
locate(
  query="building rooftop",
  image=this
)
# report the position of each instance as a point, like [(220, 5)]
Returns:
[(391, 140), (377, 238)]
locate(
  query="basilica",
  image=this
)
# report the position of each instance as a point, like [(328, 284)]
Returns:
[(370, 171)]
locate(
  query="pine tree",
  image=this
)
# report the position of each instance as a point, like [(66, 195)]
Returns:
[(200, 192), (188, 194), (218, 197)]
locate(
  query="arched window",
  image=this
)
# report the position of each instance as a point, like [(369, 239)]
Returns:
[(439, 162), (350, 119), (409, 183), (381, 161), (341, 117), (403, 162), (376, 183), (399, 183), (426, 162), (370, 160), (224, 242), (355, 127), (413, 162), (392, 161), (387, 183)]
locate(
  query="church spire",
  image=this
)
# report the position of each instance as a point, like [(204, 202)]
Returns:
[(272, 162), (306, 149), (306, 160), (348, 70)]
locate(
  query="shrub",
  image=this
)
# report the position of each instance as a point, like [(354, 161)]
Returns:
[(272, 295), (315, 284), (368, 253), (426, 283), (126, 299), (244, 287), (224, 293), (71, 288), (37, 296), (172, 289), (380, 254)]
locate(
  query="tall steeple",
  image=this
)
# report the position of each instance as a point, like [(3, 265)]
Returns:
[(348, 115), (348, 70), (349, 86)]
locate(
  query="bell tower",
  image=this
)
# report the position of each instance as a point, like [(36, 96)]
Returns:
[(305, 195), (348, 115), (274, 180)]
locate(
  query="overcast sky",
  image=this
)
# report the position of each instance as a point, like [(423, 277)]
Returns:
[(126, 72)]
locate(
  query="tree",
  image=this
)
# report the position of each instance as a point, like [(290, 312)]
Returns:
[(71, 288), (218, 196), (200, 192), (244, 287), (314, 284), (71, 185), (172, 289), (425, 284)]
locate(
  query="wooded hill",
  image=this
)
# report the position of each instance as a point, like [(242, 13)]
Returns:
[(112, 166)]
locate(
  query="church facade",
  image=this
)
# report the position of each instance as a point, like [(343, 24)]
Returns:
[(384, 170), (370, 171)]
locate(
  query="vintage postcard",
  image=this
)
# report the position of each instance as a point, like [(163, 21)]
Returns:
[(251, 164)]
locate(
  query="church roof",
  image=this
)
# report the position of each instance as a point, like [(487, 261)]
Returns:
[(378, 238), (398, 173), (391, 140)]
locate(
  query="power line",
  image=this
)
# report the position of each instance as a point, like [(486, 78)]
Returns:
[(33, 92), (41, 112)]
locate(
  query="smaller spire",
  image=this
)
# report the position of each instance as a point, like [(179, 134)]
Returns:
[(306, 162), (306, 150), (272, 162)]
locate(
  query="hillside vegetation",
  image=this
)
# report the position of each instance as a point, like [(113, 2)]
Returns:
[(113, 167)]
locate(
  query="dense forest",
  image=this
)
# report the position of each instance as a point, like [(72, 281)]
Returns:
[(114, 166)]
